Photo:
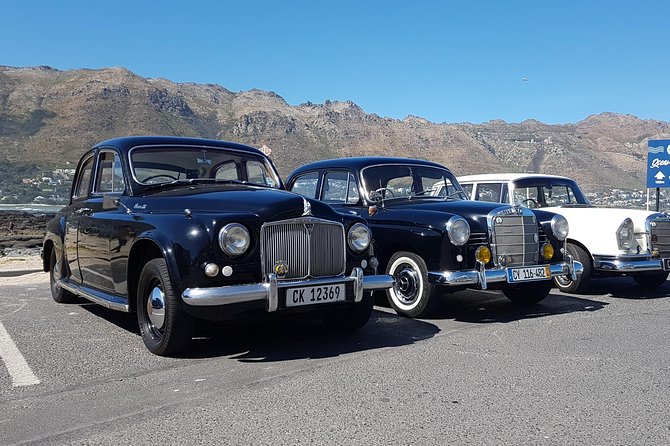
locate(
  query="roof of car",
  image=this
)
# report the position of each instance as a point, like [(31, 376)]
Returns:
[(508, 177), (358, 163), (128, 142)]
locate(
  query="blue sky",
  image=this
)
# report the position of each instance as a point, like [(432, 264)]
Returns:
[(449, 61)]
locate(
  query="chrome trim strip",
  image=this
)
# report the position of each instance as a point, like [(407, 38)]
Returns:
[(627, 263), (474, 277), (115, 303), (269, 291)]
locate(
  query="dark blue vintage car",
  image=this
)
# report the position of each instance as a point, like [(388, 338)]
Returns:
[(180, 229), (431, 239)]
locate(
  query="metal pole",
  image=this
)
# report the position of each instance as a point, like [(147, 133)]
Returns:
[(658, 198), (647, 198)]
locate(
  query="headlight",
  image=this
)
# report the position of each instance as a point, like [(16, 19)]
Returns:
[(625, 234), (358, 237), (560, 228), (234, 239), (458, 230)]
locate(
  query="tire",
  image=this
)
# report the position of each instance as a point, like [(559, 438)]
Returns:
[(528, 293), (579, 286), (651, 280), (351, 318), (412, 295), (167, 332), (60, 295)]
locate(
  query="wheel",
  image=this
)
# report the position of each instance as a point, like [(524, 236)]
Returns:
[(565, 283), (527, 293), (411, 295), (165, 328), (351, 318), (60, 295), (650, 280)]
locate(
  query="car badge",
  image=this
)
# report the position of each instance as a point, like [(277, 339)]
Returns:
[(281, 268), (306, 208), (309, 227), (499, 220)]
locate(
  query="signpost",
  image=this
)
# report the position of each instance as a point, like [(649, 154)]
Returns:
[(658, 166)]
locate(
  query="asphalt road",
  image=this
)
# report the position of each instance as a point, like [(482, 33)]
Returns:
[(575, 370)]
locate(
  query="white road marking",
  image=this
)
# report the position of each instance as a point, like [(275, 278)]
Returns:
[(18, 368)]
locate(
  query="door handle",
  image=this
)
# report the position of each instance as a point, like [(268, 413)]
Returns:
[(84, 211)]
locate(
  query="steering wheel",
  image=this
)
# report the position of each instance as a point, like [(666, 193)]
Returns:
[(165, 175), (529, 201), (387, 190)]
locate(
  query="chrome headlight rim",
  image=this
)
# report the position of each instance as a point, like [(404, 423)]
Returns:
[(625, 242), (359, 237), (230, 230), (560, 227), (458, 230)]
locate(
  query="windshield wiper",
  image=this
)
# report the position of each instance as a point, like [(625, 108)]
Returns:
[(191, 181)]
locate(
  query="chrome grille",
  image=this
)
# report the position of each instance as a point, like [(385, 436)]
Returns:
[(659, 232), (310, 247), (514, 238)]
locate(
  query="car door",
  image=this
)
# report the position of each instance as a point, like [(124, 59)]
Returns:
[(74, 213), (97, 225)]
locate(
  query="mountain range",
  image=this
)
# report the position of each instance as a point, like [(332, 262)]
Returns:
[(49, 117)]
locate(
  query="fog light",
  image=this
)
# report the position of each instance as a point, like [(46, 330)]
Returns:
[(211, 269), (655, 253), (374, 263), (547, 251), (483, 255)]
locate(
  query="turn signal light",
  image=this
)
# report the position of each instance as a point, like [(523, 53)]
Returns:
[(483, 255), (547, 251)]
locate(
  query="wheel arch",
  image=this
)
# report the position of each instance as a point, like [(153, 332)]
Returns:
[(142, 251), (582, 246), (47, 248)]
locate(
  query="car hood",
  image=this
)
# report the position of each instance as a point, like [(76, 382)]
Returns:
[(268, 204)]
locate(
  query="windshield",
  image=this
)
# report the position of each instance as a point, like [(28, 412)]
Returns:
[(158, 165), (548, 193), (411, 181)]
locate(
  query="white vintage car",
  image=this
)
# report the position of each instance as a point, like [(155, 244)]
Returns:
[(607, 241)]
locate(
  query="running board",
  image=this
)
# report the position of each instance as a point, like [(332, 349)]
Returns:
[(112, 302)]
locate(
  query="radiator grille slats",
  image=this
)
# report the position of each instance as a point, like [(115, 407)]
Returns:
[(660, 237), (311, 248), (515, 238)]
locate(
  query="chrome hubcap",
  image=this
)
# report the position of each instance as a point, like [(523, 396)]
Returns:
[(407, 285), (156, 308)]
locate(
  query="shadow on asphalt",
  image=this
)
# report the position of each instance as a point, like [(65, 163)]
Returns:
[(272, 338), (626, 288)]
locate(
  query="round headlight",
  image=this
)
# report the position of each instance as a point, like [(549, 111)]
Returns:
[(625, 234), (234, 239), (458, 230), (359, 237), (559, 226)]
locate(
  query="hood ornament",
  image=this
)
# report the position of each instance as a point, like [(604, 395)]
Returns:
[(306, 208)]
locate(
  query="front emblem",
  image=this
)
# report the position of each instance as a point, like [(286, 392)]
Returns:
[(309, 227), (281, 268), (306, 208)]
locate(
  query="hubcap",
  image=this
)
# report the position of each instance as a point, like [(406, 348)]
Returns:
[(156, 308), (407, 285)]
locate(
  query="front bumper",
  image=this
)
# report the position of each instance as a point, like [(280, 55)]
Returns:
[(627, 263), (485, 276), (269, 291)]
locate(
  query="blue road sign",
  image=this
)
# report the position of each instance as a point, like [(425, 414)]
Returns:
[(658, 163)]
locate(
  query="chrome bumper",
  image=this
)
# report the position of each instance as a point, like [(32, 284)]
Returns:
[(269, 291), (486, 276), (627, 264)]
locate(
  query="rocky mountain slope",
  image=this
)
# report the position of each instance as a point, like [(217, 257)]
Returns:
[(50, 117)]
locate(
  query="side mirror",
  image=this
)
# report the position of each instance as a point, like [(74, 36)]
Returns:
[(110, 201)]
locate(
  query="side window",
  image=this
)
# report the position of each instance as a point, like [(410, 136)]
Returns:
[(340, 187), (467, 188), (109, 176), (258, 174), (227, 171), (488, 192), (84, 179), (305, 185)]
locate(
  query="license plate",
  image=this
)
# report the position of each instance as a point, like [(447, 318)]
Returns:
[(666, 264), (528, 273), (310, 295)]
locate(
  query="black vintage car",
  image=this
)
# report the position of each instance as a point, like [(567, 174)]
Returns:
[(179, 229), (431, 239)]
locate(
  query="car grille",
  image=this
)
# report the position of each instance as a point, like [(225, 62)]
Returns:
[(660, 236), (310, 247), (514, 237)]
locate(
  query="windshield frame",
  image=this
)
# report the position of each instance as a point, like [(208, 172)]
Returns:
[(448, 174)]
